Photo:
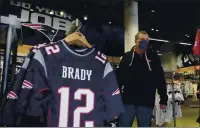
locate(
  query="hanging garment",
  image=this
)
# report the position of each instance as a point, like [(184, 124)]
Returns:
[(178, 95), (58, 76), (18, 93), (196, 48), (167, 115), (179, 61), (187, 89)]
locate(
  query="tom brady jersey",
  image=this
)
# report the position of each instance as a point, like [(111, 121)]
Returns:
[(68, 84)]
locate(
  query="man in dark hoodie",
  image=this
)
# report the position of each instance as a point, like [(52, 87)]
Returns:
[(139, 75)]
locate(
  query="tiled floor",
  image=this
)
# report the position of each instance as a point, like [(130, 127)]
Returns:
[(188, 120)]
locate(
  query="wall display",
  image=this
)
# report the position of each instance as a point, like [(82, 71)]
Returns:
[(28, 13), (190, 58), (189, 73), (186, 60), (51, 23)]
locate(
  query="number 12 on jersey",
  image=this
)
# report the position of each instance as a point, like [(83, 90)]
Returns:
[(65, 107)]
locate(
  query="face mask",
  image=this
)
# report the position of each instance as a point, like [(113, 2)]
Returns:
[(143, 44)]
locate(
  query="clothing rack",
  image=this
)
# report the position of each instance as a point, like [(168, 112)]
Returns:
[(169, 75), (13, 24)]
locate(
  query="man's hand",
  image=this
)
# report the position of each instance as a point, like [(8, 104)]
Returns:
[(163, 107)]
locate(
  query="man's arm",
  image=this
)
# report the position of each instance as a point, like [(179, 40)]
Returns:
[(198, 91), (120, 75), (161, 83)]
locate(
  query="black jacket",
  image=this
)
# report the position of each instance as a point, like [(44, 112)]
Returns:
[(198, 89), (139, 77)]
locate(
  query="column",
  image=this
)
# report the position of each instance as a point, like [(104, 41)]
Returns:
[(169, 61), (130, 23)]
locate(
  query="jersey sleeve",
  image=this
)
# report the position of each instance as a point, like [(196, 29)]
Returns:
[(114, 105), (17, 98), (10, 109), (36, 80)]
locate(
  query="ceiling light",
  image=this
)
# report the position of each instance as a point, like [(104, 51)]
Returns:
[(159, 40), (152, 29), (160, 54), (185, 43), (51, 12), (110, 22), (85, 18), (157, 30), (152, 10), (61, 13), (187, 35)]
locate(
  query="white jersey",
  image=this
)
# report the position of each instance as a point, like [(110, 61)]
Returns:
[(167, 115), (178, 95)]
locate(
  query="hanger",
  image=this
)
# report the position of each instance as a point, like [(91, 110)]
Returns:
[(76, 38)]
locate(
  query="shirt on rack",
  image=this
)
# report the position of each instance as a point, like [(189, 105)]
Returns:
[(178, 95), (68, 84), (18, 93), (187, 89)]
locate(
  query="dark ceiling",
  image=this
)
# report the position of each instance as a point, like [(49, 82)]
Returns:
[(175, 21)]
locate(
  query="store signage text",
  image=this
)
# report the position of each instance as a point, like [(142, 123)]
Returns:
[(41, 15)]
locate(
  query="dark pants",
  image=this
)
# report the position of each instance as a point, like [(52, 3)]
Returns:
[(143, 115)]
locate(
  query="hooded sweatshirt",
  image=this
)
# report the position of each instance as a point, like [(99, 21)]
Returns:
[(139, 76)]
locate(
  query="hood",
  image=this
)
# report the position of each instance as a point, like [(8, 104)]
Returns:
[(132, 57)]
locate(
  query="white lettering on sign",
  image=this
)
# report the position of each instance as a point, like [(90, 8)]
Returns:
[(26, 5), (36, 16), (61, 23), (40, 9)]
